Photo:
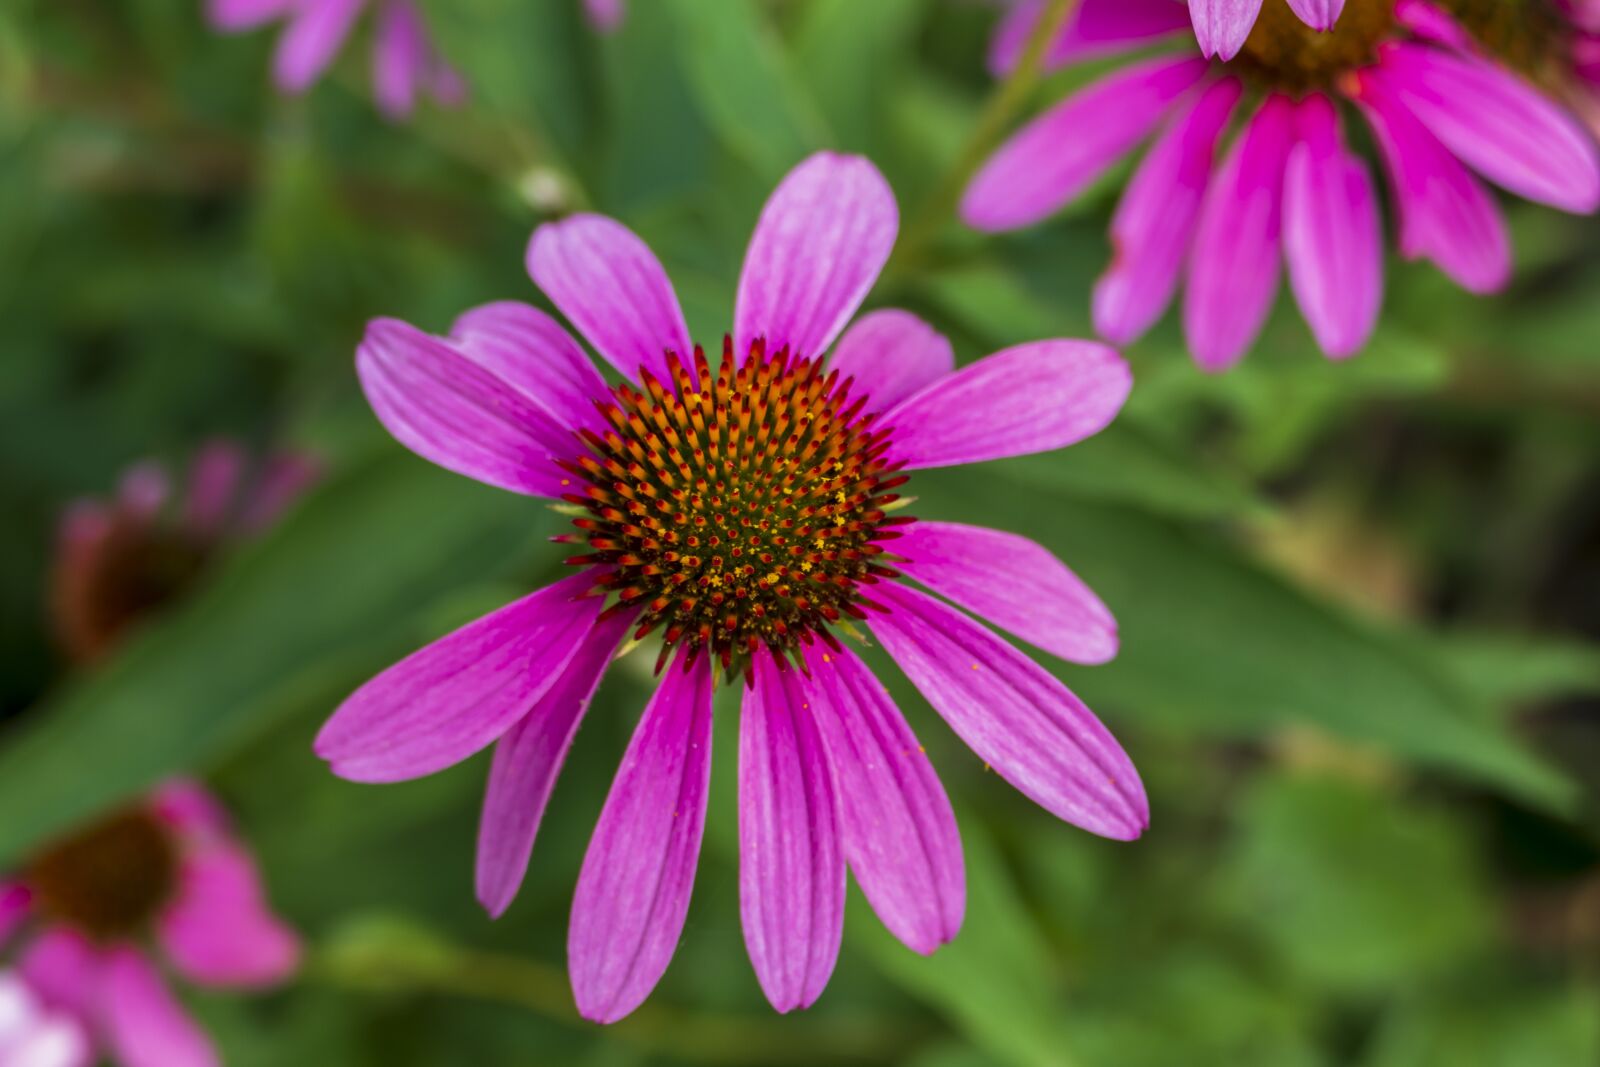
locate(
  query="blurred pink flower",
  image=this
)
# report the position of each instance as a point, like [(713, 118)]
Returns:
[(604, 15), (120, 560), (166, 874), (405, 65), (741, 514), (1434, 96)]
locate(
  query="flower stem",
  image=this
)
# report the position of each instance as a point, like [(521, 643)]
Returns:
[(998, 113)]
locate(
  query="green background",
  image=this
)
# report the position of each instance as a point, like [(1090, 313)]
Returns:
[(1358, 602)]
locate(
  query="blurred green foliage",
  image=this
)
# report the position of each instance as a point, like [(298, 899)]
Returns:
[(1358, 601)]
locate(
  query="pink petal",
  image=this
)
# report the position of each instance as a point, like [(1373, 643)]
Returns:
[(33, 1036), (891, 354), (443, 703), (633, 891), (401, 58), (527, 761), (1233, 267), (532, 353), (63, 970), (1029, 727), (1014, 583), (1221, 26), (15, 900), (1433, 24), (1097, 28), (234, 15), (1331, 234), (312, 40), (1030, 398), (1155, 222), (219, 930), (604, 15), (610, 285), (1497, 124), (146, 1025), (1320, 15), (823, 236), (900, 836), (190, 809), (213, 487), (451, 411), (1445, 214), (791, 866), (1059, 154), (285, 478), (143, 491)]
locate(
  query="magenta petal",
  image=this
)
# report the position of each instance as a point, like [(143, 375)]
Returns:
[(527, 761), (1018, 718), (283, 480), (1445, 214), (219, 930), (213, 487), (791, 866), (1056, 156), (604, 15), (823, 236), (1154, 224), (146, 1025), (1221, 26), (900, 836), (1318, 14), (532, 353), (234, 15), (188, 808), (891, 354), (633, 891), (15, 900), (312, 40), (401, 58), (1098, 28), (1331, 234), (63, 969), (1497, 124), (447, 701), (1014, 583), (31, 1035), (1234, 265), (451, 411), (608, 283), (1030, 398)]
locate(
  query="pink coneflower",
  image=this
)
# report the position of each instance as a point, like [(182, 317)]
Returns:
[(118, 561), (405, 65), (165, 874), (743, 513), (1422, 74)]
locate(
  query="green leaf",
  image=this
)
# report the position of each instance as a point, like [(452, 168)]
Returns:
[(1512, 1026), (346, 575)]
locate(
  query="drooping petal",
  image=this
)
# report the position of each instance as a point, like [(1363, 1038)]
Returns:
[(146, 1025), (445, 702), (15, 900), (1445, 214), (219, 931), (532, 353), (900, 836), (451, 411), (190, 810), (284, 479), (1059, 154), (1431, 23), (1018, 718), (1234, 264), (31, 1035), (1014, 583), (1221, 26), (891, 354), (1155, 221), (213, 488), (313, 38), (1320, 15), (1332, 238), (401, 58), (1497, 124), (608, 284), (823, 236), (1097, 28), (527, 761), (63, 970), (791, 864), (1029, 398), (633, 892)]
